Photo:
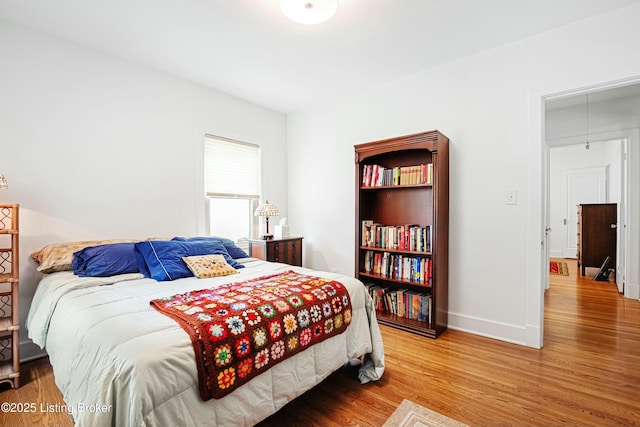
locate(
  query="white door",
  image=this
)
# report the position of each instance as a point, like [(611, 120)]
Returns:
[(621, 256), (583, 186)]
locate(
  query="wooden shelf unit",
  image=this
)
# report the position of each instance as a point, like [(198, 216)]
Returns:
[(9, 292), (398, 205)]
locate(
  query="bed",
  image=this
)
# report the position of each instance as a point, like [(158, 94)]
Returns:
[(119, 361)]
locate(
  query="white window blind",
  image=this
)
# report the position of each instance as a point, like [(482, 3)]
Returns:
[(231, 168)]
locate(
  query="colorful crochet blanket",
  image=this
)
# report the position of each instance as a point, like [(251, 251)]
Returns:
[(240, 330)]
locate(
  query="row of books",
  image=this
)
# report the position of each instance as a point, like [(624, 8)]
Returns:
[(401, 302), (399, 267), (380, 176), (397, 237)]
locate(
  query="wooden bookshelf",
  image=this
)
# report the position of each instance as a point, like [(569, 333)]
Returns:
[(9, 291), (424, 203)]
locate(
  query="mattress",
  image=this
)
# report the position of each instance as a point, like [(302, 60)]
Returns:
[(117, 361)]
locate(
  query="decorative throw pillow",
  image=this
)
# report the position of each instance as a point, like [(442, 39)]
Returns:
[(205, 266)]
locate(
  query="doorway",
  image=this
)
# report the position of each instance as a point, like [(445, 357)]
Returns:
[(583, 176), (538, 153), (582, 123)]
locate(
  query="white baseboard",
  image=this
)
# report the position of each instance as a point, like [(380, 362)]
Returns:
[(633, 291), (515, 334)]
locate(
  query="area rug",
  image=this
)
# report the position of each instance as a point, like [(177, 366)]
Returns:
[(558, 267), (410, 414)]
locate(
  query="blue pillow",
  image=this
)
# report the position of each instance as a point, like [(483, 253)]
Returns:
[(105, 260), (142, 264), (163, 258), (229, 245)]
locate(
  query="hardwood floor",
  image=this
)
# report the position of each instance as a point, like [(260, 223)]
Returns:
[(587, 374)]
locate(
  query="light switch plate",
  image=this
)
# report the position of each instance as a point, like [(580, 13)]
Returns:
[(511, 197)]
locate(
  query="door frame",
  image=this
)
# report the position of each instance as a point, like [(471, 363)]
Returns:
[(537, 248)]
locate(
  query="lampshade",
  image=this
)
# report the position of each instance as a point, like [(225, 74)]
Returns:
[(309, 11), (266, 209), (3, 183)]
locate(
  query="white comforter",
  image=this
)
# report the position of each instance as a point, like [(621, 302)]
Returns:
[(119, 362)]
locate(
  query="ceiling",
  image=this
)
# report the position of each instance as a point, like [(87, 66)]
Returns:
[(247, 49)]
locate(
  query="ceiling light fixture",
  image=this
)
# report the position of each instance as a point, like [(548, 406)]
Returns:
[(309, 12)]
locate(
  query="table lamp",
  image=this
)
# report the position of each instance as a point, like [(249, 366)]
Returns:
[(267, 210)]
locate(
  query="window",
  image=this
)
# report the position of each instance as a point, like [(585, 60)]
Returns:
[(232, 187)]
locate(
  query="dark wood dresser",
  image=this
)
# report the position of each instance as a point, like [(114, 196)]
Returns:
[(597, 234), (288, 250)]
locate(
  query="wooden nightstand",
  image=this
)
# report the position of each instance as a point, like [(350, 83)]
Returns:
[(288, 251)]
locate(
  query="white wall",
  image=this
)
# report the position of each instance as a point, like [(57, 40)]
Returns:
[(490, 106), (95, 147)]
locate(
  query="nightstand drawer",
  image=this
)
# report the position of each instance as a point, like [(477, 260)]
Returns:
[(287, 251)]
